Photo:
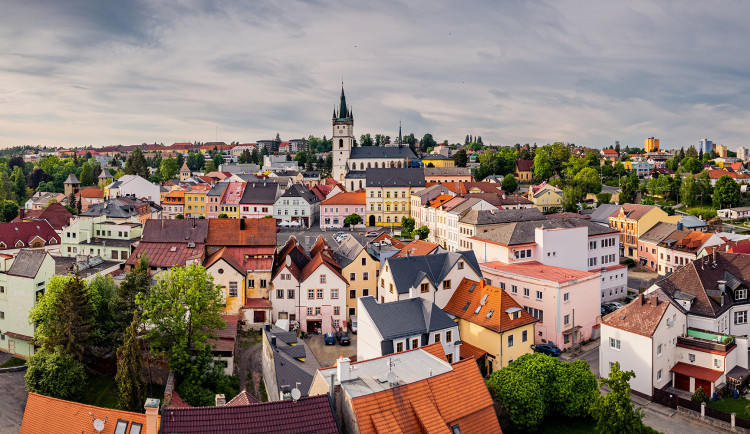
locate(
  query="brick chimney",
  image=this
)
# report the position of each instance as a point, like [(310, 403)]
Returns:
[(152, 415)]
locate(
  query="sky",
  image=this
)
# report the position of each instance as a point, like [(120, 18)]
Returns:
[(106, 72)]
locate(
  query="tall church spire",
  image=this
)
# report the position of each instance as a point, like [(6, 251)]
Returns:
[(343, 112), (399, 134)]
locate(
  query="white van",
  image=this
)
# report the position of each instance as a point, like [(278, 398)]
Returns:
[(353, 324)]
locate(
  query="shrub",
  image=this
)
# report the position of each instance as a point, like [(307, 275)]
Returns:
[(700, 395), (629, 262), (56, 374)]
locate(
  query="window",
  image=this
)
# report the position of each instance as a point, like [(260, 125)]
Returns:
[(309, 311), (251, 283), (290, 294), (336, 310), (2, 315), (536, 313), (526, 292), (524, 336), (449, 357), (233, 289), (448, 336), (352, 293), (566, 338), (614, 343), (322, 278), (135, 428), (121, 427), (280, 294), (460, 265), (566, 297), (352, 277), (319, 293), (2, 290), (566, 319), (364, 261), (263, 283), (539, 295), (365, 276), (436, 338), (390, 287), (740, 317), (510, 341), (658, 375), (513, 289), (425, 287), (691, 357), (740, 294), (399, 347), (446, 284), (317, 311), (310, 294), (717, 363), (658, 350), (335, 293), (414, 343)]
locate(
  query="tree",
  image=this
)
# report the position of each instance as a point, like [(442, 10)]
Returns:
[(559, 153), (692, 153), (352, 219), (18, 183), (36, 177), (726, 193), (130, 386), (571, 197), (365, 140), (427, 142), (460, 158), (87, 175), (8, 211), (703, 187), (687, 190), (423, 232), (65, 316), (588, 180), (196, 160), (102, 290), (136, 164), (690, 165), (629, 188), (542, 165), (700, 395), (122, 304), (219, 159), (209, 166), (408, 224), (55, 373), (614, 411), (168, 168), (604, 197), (510, 184), (183, 310)]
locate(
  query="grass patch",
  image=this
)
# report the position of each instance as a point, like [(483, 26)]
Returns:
[(13, 361), (730, 405), (559, 425), (263, 393), (250, 337), (101, 391)]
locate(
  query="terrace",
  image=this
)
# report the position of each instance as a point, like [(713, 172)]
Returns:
[(705, 340)]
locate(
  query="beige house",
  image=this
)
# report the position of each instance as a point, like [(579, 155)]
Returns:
[(360, 269), (545, 196), (633, 221)]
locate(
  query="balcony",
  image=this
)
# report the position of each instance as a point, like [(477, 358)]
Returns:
[(707, 341)]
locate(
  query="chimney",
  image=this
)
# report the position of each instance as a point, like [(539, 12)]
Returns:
[(152, 415), (643, 299), (679, 226), (273, 341), (220, 400), (654, 301), (343, 371), (722, 285)]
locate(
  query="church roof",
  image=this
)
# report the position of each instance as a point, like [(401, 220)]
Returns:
[(379, 152), (343, 113)]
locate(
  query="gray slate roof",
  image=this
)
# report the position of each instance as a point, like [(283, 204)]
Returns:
[(446, 171), (289, 370), (435, 267), (218, 188), (395, 177), (413, 316), (299, 190), (691, 222), (347, 251), (260, 192), (112, 208), (495, 216), (27, 263), (105, 174), (175, 231), (658, 233), (378, 152), (602, 212), (523, 232), (72, 179)]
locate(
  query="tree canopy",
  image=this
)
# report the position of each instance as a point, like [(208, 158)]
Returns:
[(726, 193)]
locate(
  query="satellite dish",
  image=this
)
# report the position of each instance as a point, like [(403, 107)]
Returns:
[(98, 425), (392, 379), (416, 236), (296, 394)]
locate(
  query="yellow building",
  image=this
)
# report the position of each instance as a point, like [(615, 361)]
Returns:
[(388, 192), (545, 196), (651, 145), (494, 328), (229, 275), (721, 150), (195, 202), (438, 160), (360, 269), (633, 221)]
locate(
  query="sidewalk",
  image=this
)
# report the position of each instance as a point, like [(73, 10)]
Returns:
[(569, 356)]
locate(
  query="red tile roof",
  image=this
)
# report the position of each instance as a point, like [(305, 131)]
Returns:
[(468, 350), (610, 152), (91, 192), (56, 214), (243, 398), (224, 254), (26, 233), (417, 248), (641, 316), (524, 165), (496, 299), (229, 232), (356, 198), (431, 405), (52, 416), (167, 255), (718, 173), (386, 236), (698, 372), (257, 303), (540, 271)]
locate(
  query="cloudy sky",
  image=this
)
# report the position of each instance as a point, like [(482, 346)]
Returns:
[(107, 72)]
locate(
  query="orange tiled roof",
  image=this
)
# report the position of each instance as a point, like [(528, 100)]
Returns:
[(417, 248), (91, 192), (641, 316), (431, 405), (51, 415), (497, 300), (356, 198)]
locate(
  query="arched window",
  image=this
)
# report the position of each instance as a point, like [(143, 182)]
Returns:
[(341, 143), (360, 184), (368, 165), (376, 164), (392, 165)]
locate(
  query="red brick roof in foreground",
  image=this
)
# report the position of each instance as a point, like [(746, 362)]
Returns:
[(540, 271), (306, 415), (436, 404), (51, 416), (698, 372)]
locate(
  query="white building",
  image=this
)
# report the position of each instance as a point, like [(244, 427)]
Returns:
[(133, 186), (297, 204)]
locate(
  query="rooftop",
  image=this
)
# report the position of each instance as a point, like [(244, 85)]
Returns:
[(641, 316), (523, 232), (487, 306), (539, 271), (413, 316)]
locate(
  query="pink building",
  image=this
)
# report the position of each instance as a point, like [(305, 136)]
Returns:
[(562, 299), (648, 244), (230, 201), (335, 209)]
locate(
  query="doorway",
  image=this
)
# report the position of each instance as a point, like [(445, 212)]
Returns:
[(312, 324), (372, 220)]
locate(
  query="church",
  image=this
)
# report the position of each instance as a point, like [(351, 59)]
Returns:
[(350, 162)]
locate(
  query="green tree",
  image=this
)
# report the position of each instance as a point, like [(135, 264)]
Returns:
[(219, 159), (102, 290), (130, 386), (692, 153), (460, 158), (690, 165), (122, 304), (570, 199), (408, 224), (18, 180), (521, 398), (604, 197), (542, 165), (352, 219), (196, 160), (726, 193), (510, 184), (168, 168), (687, 191), (55, 373), (65, 316), (629, 189), (703, 187), (559, 153), (8, 210), (87, 175), (183, 310), (588, 180), (614, 411), (209, 166), (136, 164), (365, 140), (427, 142), (423, 232)]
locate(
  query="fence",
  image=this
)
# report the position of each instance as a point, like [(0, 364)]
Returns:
[(686, 403), (660, 395)]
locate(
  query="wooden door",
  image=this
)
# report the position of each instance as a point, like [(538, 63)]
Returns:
[(11, 346), (682, 382)]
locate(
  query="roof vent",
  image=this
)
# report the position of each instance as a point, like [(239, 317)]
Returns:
[(489, 314)]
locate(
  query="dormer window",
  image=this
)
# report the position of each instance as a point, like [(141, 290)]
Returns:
[(740, 294)]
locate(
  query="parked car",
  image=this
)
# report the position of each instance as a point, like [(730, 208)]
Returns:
[(616, 304), (548, 349), (609, 308), (353, 324), (329, 339), (343, 338), (372, 233)]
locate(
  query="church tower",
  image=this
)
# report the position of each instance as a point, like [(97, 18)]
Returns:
[(342, 139)]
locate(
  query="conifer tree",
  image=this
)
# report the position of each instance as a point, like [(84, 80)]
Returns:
[(129, 361)]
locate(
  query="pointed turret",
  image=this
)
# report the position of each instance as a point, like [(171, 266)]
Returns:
[(399, 134), (343, 112)]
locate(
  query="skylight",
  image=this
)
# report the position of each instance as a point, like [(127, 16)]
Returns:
[(478, 309), (467, 305), (472, 287)]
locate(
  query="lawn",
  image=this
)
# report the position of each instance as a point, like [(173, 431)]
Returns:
[(101, 391), (560, 425), (730, 405), (13, 361)]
